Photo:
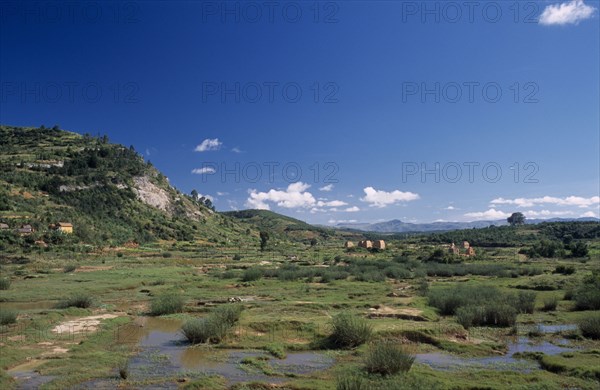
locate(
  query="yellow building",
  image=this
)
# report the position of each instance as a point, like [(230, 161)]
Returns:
[(65, 227)]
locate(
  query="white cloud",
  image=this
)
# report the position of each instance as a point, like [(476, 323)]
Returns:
[(571, 12), (487, 215), (208, 145), (450, 208), (352, 209), (589, 214), (293, 197), (203, 171), (326, 188), (332, 203), (383, 198), (545, 213), (567, 201), (236, 150), (336, 221), (222, 193)]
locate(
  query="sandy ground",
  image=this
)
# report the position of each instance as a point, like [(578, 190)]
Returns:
[(84, 324)]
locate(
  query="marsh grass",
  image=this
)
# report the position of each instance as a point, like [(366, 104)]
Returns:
[(80, 300), (388, 358), (349, 331), (169, 303), (8, 316), (590, 326), (4, 283)]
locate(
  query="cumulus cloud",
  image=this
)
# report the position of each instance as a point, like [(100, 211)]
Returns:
[(450, 208), (546, 213), (327, 188), (352, 209), (487, 215), (203, 171), (567, 201), (571, 12), (378, 198), (236, 150), (209, 145), (589, 214), (296, 195)]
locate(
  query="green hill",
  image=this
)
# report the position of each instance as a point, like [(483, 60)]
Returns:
[(281, 225), (107, 191)]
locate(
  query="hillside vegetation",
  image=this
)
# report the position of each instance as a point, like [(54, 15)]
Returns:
[(109, 193)]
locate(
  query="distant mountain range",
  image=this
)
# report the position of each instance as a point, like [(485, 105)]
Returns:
[(397, 226)]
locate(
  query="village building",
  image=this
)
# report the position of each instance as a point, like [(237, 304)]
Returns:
[(379, 244), (3, 226), (367, 244), (454, 249), (65, 227), (470, 251), (466, 245), (348, 244), (26, 230)]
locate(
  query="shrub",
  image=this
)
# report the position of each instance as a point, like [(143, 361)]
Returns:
[(8, 316), (526, 302), (167, 304), (229, 314), (550, 303), (237, 257), (564, 269), (69, 268), (82, 301), (587, 296), (492, 315), (252, 274), (203, 330), (590, 326), (350, 331), (167, 255), (4, 283), (387, 358)]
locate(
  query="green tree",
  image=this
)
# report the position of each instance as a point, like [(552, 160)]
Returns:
[(516, 219), (264, 238)]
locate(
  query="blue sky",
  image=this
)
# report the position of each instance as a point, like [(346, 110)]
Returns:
[(328, 111)]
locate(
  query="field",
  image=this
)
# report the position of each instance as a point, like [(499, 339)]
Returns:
[(113, 318)]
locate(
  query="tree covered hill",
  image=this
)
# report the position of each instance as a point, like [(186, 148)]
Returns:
[(107, 191)]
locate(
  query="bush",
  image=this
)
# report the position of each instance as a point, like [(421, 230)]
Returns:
[(387, 358), (8, 316), (587, 296), (166, 304), (237, 257), (478, 305), (252, 274), (82, 301), (167, 255), (590, 326), (492, 315), (69, 268), (564, 269), (4, 283), (229, 314), (526, 302), (550, 303), (350, 331), (203, 330)]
